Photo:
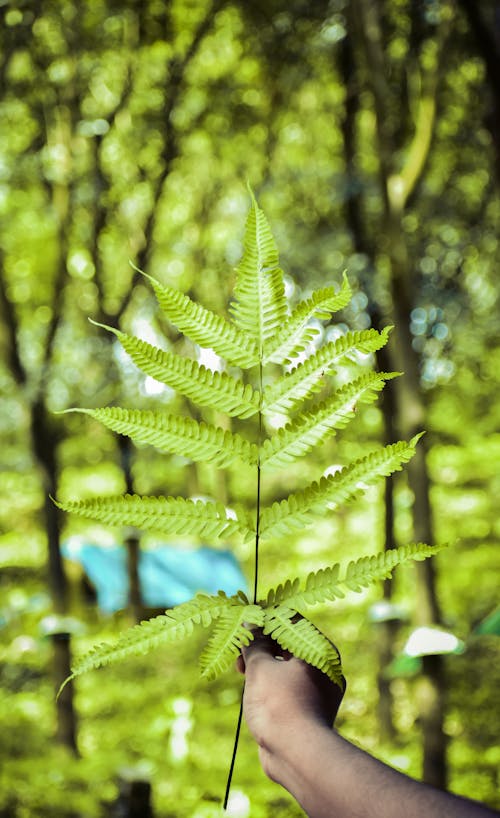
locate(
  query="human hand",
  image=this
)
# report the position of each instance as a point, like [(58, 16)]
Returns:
[(289, 707), (283, 697)]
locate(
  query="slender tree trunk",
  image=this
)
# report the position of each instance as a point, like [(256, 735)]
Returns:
[(487, 37), (44, 443), (66, 718), (386, 630), (135, 601), (396, 185), (132, 542)]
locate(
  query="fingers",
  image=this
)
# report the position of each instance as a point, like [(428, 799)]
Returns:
[(263, 651), (261, 648)]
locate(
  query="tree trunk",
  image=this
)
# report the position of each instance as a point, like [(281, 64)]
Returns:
[(44, 443), (135, 601), (396, 186), (66, 717), (410, 419)]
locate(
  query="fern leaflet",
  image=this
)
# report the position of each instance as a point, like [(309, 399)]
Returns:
[(177, 434), (206, 328), (153, 633), (260, 307), (303, 434), (230, 633), (304, 640), (299, 509), (219, 390), (327, 584), (168, 515), (307, 377), (295, 335)]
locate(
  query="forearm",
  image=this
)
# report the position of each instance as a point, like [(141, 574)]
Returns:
[(332, 778)]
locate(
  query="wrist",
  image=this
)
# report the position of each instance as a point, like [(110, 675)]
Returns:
[(289, 755)]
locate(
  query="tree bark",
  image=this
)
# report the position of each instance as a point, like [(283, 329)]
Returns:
[(409, 410), (66, 716)]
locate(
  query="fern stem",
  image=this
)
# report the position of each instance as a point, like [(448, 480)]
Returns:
[(255, 594), (256, 561), (257, 523), (235, 750)]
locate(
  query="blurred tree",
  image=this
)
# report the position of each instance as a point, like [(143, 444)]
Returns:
[(484, 22), (397, 178), (57, 81)]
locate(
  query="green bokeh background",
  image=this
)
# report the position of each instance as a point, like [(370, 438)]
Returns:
[(129, 131)]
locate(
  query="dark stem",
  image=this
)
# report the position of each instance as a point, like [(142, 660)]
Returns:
[(256, 577), (256, 566), (235, 750), (257, 523)]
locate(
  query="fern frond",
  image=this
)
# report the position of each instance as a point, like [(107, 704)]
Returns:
[(215, 389), (298, 510), (302, 434), (260, 307), (304, 640), (168, 515), (294, 335), (365, 571), (287, 590), (206, 328), (327, 584), (177, 434), (306, 378), (153, 633), (231, 632)]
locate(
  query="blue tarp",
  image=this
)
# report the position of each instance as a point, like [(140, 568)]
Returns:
[(167, 575)]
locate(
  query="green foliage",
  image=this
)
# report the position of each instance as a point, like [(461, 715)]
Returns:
[(260, 306), (179, 435), (295, 334), (277, 616), (261, 331), (278, 92), (307, 378), (168, 515), (299, 509), (219, 390), (205, 327), (312, 428)]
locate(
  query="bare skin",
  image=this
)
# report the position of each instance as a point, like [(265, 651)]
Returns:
[(290, 708)]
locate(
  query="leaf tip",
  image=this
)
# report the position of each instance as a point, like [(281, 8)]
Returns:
[(416, 438), (66, 682), (250, 192), (104, 326)]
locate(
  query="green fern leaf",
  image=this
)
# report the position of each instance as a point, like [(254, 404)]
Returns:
[(327, 584), (298, 510), (168, 515), (215, 389), (153, 633), (365, 571), (179, 435), (260, 307), (276, 596), (206, 328), (295, 335), (307, 377), (304, 640), (231, 632), (303, 434)]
